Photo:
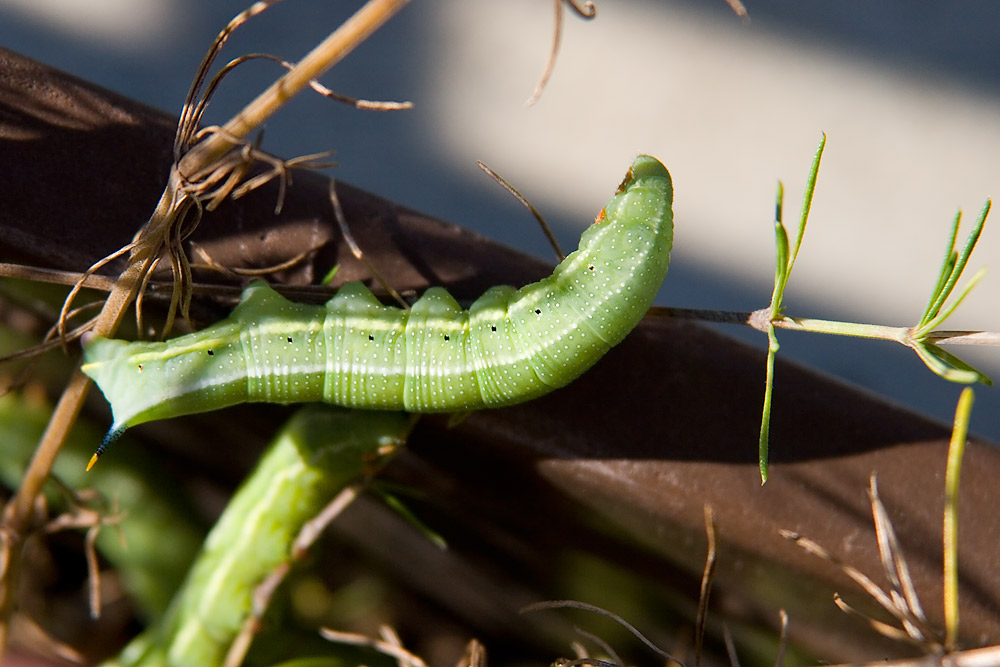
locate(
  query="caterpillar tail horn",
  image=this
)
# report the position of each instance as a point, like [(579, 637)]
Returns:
[(113, 434)]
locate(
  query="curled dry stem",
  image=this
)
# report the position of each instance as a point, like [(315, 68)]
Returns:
[(357, 103), (206, 262), (345, 231), (52, 339), (586, 10), (575, 604), (388, 644), (707, 576), (196, 100), (89, 510), (330, 51), (229, 179), (79, 284), (546, 229), (159, 232), (900, 600)]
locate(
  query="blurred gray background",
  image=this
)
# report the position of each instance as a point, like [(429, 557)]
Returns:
[(907, 92)]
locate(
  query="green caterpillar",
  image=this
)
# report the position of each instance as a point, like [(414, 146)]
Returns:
[(317, 454), (510, 346)]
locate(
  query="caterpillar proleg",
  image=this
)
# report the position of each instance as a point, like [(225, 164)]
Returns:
[(512, 345)]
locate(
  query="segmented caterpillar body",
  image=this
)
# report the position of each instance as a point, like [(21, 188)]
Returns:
[(512, 345), (319, 452)]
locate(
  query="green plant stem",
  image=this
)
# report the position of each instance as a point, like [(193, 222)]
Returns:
[(907, 336), (856, 330), (950, 529), (765, 422), (760, 320)]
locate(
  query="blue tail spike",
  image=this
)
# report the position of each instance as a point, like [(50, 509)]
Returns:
[(113, 434)]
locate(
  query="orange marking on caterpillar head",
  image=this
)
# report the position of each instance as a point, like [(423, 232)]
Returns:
[(627, 181)]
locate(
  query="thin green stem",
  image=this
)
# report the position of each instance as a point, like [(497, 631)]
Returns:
[(759, 320), (950, 533), (785, 260), (898, 334), (765, 421)]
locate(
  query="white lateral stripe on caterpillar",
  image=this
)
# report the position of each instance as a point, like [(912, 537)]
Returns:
[(510, 346)]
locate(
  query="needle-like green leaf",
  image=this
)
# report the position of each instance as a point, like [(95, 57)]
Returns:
[(784, 261), (939, 318), (940, 309), (954, 266), (946, 268)]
